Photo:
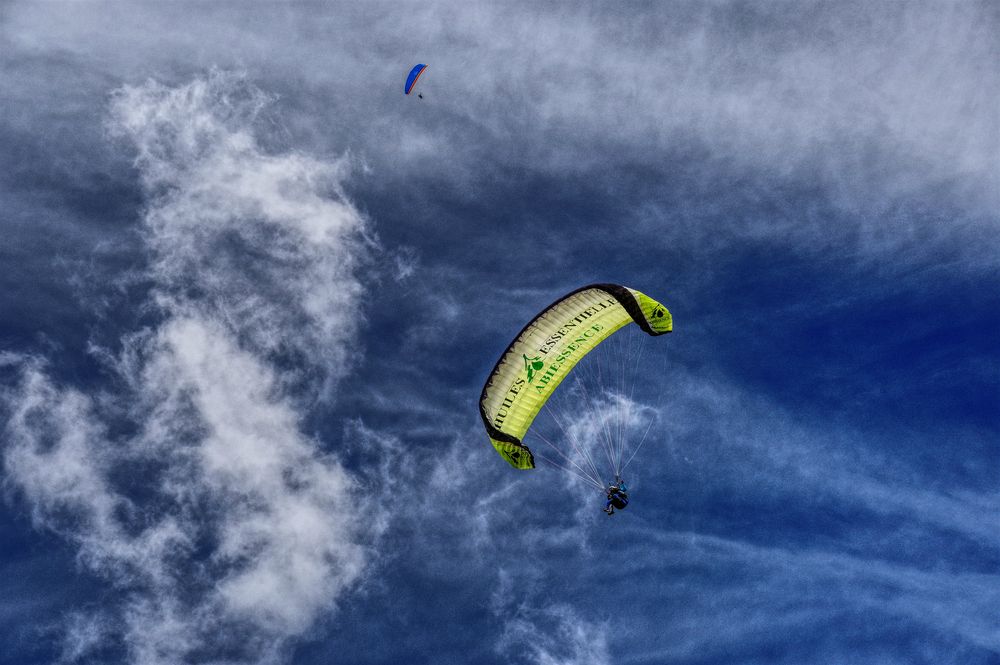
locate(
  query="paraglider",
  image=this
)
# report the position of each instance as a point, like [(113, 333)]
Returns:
[(617, 497), (544, 353), (411, 80)]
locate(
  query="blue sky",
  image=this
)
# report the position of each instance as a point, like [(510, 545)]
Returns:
[(250, 293)]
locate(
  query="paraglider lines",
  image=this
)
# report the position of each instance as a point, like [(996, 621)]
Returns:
[(585, 475), (584, 453)]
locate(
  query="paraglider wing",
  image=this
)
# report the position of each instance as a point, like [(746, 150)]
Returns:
[(547, 349), (411, 80)]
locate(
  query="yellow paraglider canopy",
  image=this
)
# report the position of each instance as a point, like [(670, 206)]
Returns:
[(545, 352)]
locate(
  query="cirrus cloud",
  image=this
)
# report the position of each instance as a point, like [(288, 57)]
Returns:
[(189, 484)]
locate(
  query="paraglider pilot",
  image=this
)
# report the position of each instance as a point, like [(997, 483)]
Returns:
[(617, 497)]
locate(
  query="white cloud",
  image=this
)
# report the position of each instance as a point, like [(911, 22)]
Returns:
[(225, 528), (887, 555), (406, 262), (553, 634), (11, 359), (83, 634), (724, 435), (871, 103), (771, 590), (267, 244)]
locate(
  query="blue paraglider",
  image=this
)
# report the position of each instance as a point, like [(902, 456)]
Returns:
[(411, 80)]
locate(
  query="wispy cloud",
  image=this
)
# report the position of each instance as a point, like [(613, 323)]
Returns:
[(870, 104), (723, 598), (869, 543), (266, 244), (726, 434), (553, 634), (191, 487)]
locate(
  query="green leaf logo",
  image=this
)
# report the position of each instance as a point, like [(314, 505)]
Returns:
[(532, 365)]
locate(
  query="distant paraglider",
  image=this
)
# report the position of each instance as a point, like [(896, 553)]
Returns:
[(411, 80)]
